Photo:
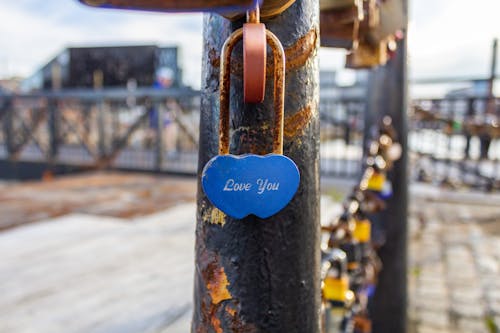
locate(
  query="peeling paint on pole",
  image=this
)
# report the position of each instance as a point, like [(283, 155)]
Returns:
[(262, 275)]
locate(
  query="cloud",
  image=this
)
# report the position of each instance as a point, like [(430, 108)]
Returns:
[(454, 39), (29, 37), (447, 38)]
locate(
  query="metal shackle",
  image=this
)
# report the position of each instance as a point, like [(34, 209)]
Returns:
[(279, 90)]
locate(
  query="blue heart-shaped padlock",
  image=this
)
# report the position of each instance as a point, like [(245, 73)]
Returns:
[(250, 184)]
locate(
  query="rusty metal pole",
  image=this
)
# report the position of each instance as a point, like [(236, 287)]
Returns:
[(256, 275), (388, 96)]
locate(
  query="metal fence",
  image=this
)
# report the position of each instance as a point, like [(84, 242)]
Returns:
[(146, 130), (342, 126), (153, 130), (452, 140), (456, 140)]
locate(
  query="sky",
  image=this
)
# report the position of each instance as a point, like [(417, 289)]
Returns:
[(446, 37)]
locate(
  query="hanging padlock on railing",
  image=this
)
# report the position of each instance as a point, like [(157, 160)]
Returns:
[(336, 295), (249, 183), (339, 23), (174, 5), (254, 58), (231, 9)]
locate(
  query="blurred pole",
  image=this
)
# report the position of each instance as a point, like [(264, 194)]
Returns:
[(491, 81), (101, 129), (388, 96), (262, 275), (54, 124), (98, 82), (53, 117), (7, 113), (491, 101), (160, 143)]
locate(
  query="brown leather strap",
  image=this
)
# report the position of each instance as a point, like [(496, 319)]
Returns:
[(254, 62)]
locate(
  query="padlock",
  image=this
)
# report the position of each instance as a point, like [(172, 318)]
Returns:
[(372, 203), (386, 192), (268, 9), (367, 55), (375, 180), (362, 230), (354, 254), (251, 184), (254, 58), (362, 323), (377, 162), (340, 230), (362, 235), (335, 280), (231, 9), (175, 5), (381, 25), (339, 23), (391, 19)]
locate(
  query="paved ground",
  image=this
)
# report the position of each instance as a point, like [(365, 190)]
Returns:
[(455, 263), (93, 274), (115, 194), (85, 272)]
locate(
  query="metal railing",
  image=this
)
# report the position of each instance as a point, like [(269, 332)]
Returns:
[(121, 129), (456, 140), (103, 129)]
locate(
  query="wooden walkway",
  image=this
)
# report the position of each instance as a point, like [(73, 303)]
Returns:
[(83, 273)]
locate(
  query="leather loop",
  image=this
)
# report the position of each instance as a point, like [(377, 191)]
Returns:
[(254, 62)]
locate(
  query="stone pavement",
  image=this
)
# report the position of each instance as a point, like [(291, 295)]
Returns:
[(84, 272), (454, 279)]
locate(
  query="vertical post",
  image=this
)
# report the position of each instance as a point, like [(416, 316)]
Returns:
[(53, 116), (491, 80), (98, 83), (53, 131), (8, 127), (101, 129), (256, 275), (160, 144), (390, 299)]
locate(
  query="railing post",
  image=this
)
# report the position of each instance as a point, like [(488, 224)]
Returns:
[(388, 86), (8, 127), (101, 129), (255, 275), (54, 121), (160, 144)]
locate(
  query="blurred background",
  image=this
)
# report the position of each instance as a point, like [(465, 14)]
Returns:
[(99, 117)]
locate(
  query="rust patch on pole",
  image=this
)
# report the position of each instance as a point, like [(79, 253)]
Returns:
[(296, 123), (217, 284), (297, 54)]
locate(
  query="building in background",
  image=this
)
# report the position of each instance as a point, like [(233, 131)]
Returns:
[(109, 67), (10, 85)]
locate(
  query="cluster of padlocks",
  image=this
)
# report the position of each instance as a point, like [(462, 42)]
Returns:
[(350, 264), (369, 29)]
